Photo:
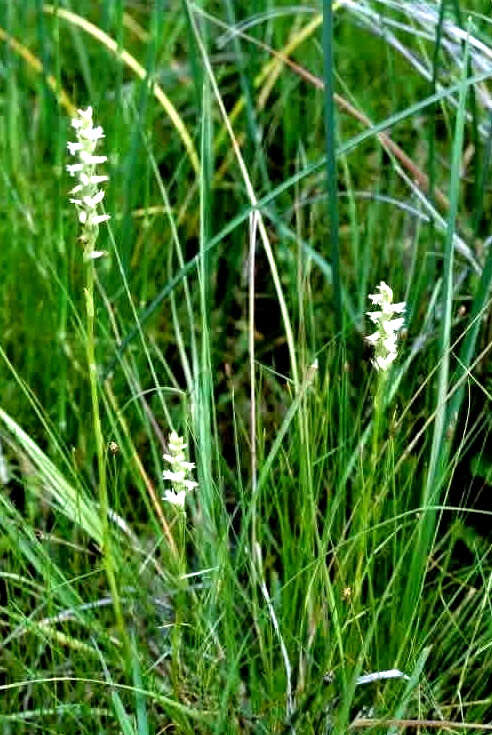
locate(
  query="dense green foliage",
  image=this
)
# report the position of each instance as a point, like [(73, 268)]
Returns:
[(266, 170)]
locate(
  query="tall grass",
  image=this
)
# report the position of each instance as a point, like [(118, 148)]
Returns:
[(269, 165)]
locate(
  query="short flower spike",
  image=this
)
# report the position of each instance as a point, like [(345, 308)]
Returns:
[(86, 194), (179, 473), (385, 337)]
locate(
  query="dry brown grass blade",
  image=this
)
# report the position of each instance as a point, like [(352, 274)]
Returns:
[(271, 71), (386, 141)]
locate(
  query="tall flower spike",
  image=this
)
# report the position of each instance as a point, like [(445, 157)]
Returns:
[(180, 473), (385, 337), (86, 196)]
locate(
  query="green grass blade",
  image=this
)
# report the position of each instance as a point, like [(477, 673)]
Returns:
[(331, 168), (435, 470)]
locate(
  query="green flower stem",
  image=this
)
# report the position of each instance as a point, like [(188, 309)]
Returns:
[(376, 423), (101, 461), (370, 481), (176, 636)]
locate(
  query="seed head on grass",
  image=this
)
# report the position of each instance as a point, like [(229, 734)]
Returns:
[(86, 196), (385, 337), (179, 473)]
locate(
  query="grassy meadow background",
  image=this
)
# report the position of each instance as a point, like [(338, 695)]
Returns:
[(267, 169)]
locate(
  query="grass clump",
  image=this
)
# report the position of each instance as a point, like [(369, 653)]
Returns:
[(241, 493)]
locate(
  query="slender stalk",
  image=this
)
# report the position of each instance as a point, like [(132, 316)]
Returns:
[(176, 635), (369, 483), (100, 451), (251, 346)]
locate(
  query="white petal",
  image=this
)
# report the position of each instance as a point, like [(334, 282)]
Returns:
[(374, 316), (74, 168), (389, 309), (94, 254), (190, 484), (176, 443), (389, 344), (398, 308), (98, 219), (373, 338), (175, 477), (92, 134), (175, 498), (383, 363), (93, 201), (91, 160), (98, 196), (97, 179), (83, 217), (78, 202), (86, 114), (73, 147), (393, 325), (385, 291)]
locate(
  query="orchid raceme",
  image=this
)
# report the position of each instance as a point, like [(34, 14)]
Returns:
[(86, 195), (179, 472), (384, 339)]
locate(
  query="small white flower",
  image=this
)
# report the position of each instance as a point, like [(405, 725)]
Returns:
[(394, 325), (175, 498), (384, 340), (383, 363), (385, 294), (91, 160), (84, 119), (389, 344), (86, 114), (74, 168), (93, 201), (176, 443), (180, 457), (92, 133), (174, 477), (97, 219), (97, 179), (74, 147)]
